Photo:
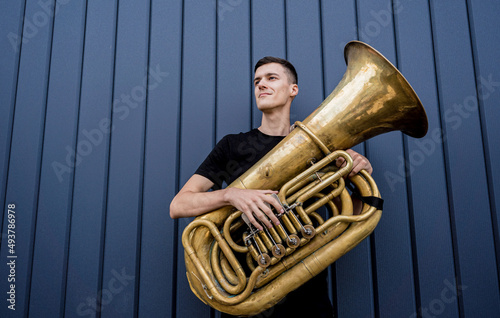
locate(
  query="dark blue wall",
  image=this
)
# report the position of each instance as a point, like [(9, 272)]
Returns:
[(108, 107)]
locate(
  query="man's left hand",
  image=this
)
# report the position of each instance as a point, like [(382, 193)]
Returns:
[(359, 162)]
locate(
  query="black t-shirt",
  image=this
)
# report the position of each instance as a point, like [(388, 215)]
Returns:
[(233, 155)]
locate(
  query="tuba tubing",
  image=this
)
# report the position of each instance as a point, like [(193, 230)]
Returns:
[(372, 98)]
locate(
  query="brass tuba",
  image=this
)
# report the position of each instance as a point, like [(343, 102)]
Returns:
[(241, 271)]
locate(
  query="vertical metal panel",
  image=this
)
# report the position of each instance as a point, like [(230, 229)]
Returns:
[(25, 158), (198, 95), (432, 239), (268, 37), (84, 272), (197, 134), (338, 27), (158, 240), (234, 70), (125, 183), (55, 198), (304, 52), (11, 24), (471, 218), (486, 45)]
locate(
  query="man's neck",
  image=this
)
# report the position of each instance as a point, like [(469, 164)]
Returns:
[(274, 124)]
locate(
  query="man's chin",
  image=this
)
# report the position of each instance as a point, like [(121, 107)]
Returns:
[(265, 106)]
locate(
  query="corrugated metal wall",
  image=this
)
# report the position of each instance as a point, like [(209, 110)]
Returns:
[(107, 108)]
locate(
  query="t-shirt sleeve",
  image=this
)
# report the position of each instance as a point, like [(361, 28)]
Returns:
[(214, 166)]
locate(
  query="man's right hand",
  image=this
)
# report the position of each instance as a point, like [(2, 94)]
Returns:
[(255, 204)]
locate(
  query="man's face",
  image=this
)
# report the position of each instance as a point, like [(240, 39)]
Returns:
[(272, 87)]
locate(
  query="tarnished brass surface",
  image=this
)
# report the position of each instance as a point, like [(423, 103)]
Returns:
[(372, 98)]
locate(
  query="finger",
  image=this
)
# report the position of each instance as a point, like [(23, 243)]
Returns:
[(260, 215), (356, 167), (249, 215), (368, 167), (275, 203), (359, 163), (353, 172), (264, 207), (356, 159), (267, 191), (340, 162)]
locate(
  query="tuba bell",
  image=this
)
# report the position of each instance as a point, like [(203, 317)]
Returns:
[(237, 269)]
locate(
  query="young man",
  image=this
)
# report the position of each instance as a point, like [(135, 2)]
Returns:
[(275, 86)]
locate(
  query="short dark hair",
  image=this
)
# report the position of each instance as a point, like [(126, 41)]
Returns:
[(290, 70)]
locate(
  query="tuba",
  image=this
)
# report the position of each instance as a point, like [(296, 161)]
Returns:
[(241, 271)]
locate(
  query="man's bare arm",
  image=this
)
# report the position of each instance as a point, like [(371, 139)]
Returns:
[(193, 200)]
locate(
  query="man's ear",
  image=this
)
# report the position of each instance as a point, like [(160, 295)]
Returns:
[(294, 90)]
